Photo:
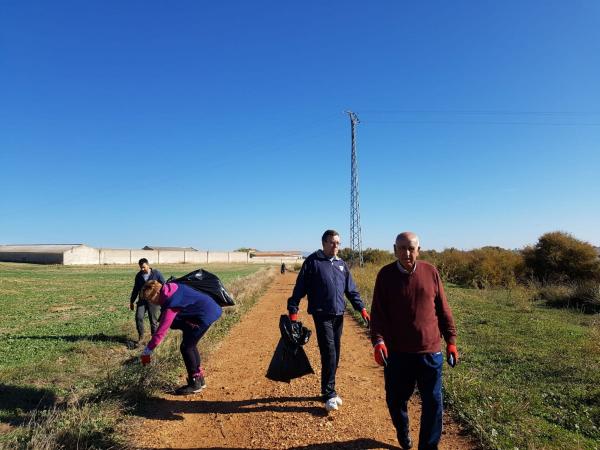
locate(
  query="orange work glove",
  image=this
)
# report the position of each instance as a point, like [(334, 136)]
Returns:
[(146, 358), (294, 317), (451, 355), (380, 353), (365, 315)]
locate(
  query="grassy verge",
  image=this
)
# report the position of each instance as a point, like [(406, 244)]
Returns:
[(529, 376), (67, 378)]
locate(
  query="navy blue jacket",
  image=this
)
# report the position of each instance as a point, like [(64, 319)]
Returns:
[(325, 282), (139, 283)]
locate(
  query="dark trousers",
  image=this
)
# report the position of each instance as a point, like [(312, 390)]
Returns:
[(192, 333), (329, 334), (153, 314), (403, 371)]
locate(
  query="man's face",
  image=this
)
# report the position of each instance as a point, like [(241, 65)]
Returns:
[(331, 246), (145, 268), (407, 252)]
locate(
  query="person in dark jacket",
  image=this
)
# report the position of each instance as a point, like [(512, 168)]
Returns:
[(326, 281), (188, 310), (146, 273), (410, 314)]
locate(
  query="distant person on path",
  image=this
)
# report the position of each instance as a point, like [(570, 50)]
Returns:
[(409, 315), (188, 310), (145, 274), (325, 279), (282, 267)]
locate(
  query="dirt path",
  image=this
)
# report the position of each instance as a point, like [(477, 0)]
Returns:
[(241, 409)]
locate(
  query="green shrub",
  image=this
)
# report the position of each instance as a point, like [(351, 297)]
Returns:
[(558, 258)]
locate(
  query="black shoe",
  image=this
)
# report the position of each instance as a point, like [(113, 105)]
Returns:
[(405, 441), (194, 386)]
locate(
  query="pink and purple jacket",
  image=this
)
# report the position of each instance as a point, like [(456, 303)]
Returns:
[(183, 302)]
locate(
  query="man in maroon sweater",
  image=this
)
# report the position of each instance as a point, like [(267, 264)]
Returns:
[(409, 315)]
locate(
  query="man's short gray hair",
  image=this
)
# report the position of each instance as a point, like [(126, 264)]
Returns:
[(409, 236)]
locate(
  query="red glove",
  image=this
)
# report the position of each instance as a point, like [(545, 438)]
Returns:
[(365, 315), (145, 359), (293, 317), (380, 353), (452, 355)]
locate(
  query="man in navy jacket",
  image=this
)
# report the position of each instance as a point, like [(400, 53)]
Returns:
[(326, 281), (146, 273)]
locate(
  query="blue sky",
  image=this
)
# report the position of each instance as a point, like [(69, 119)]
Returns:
[(221, 124)]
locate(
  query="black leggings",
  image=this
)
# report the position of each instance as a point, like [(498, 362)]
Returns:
[(192, 333)]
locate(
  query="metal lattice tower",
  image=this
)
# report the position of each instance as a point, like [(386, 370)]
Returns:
[(355, 231)]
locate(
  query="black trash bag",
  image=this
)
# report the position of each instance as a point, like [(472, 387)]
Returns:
[(293, 332), (208, 283), (288, 363), (289, 360)]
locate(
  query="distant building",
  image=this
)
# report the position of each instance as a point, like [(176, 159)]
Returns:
[(49, 254), (80, 254), (276, 256)]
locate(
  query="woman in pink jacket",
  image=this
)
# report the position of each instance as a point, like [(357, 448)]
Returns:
[(188, 310)]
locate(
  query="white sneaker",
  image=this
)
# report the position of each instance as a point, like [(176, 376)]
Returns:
[(338, 400), (331, 404)]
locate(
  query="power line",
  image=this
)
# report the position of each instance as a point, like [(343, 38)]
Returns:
[(471, 122), (481, 112)]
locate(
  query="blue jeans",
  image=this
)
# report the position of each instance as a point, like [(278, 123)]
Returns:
[(403, 371)]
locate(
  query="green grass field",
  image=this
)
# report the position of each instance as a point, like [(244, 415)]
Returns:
[(64, 335), (529, 376)]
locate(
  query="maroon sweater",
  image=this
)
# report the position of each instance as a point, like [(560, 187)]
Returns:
[(410, 312)]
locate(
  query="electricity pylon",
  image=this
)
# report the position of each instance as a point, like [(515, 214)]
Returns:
[(355, 232)]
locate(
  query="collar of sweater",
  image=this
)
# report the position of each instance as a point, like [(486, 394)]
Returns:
[(403, 270)]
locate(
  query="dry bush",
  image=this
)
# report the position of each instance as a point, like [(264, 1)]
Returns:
[(586, 296), (82, 425), (583, 296), (495, 267), (481, 268)]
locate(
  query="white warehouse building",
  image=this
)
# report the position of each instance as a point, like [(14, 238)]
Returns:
[(79, 254)]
